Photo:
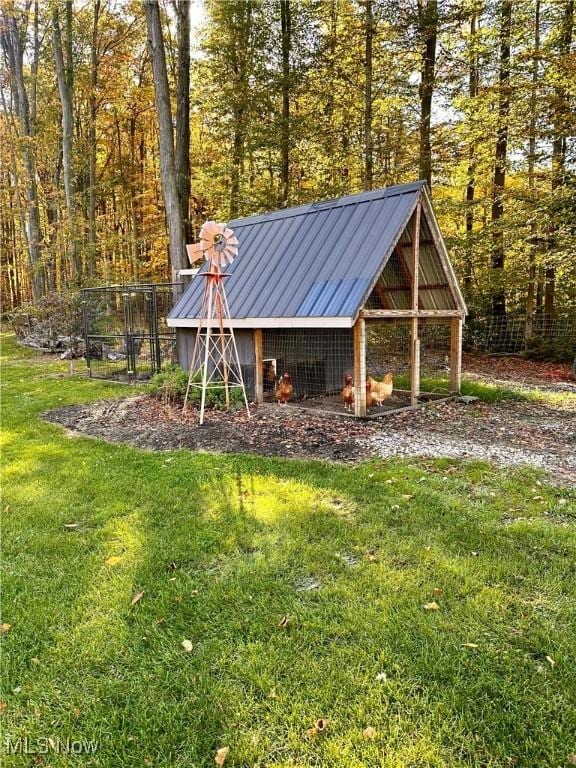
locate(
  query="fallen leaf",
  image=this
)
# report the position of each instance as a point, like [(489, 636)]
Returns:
[(407, 496), (273, 694), (187, 645), (469, 645), (2, 707), (382, 677), (550, 661), (35, 660), (433, 606), (318, 727), (437, 591), (172, 566), (114, 560), (221, 755), (71, 525), (369, 732), (284, 621), (572, 758), (5, 627), (137, 597)]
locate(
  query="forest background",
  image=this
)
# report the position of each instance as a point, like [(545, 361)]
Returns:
[(126, 124)]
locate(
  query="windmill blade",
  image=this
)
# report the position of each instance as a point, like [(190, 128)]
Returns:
[(228, 233), (209, 229), (194, 251)]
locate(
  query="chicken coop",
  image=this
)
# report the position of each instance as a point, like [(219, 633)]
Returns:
[(358, 287)]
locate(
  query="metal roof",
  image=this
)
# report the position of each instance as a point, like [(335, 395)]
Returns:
[(313, 261)]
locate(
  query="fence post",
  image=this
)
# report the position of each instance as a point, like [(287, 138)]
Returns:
[(360, 367), (455, 353), (259, 366)]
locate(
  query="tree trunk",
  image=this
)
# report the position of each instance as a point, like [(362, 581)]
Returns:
[(92, 181), (165, 137), (368, 138), (531, 293), (285, 21), (560, 141), (10, 37), (182, 157), (471, 183), (65, 86), (498, 294), (428, 23)]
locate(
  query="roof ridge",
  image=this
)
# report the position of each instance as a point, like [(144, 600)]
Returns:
[(330, 203)]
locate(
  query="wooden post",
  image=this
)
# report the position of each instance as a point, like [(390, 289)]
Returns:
[(455, 353), (414, 340), (259, 366), (360, 367)]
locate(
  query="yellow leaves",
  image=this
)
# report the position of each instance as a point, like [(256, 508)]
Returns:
[(318, 728), (572, 758), (369, 733), (284, 621), (433, 606), (114, 560), (2, 707), (469, 645), (550, 661), (187, 645), (5, 628), (221, 755)]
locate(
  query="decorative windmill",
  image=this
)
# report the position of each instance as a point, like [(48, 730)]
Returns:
[(215, 361)]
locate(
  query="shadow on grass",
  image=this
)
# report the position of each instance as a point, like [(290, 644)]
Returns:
[(224, 547)]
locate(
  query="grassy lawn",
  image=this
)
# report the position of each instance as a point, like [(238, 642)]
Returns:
[(223, 547)]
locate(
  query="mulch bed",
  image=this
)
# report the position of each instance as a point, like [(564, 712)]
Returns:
[(272, 430), (505, 433)]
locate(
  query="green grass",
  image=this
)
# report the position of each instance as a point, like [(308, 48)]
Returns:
[(219, 545), (484, 390)]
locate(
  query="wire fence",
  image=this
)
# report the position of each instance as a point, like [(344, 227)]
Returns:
[(126, 334), (543, 337)]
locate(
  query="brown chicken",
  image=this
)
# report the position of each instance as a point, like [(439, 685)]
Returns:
[(379, 390), (348, 393), (284, 390)]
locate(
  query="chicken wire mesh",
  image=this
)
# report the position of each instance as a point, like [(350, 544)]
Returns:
[(318, 362), (126, 334)]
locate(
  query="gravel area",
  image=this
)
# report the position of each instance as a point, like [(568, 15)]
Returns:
[(508, 433), (505, 433)]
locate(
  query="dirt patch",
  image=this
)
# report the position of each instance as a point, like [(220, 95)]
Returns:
[(506, 433), (272, 430)]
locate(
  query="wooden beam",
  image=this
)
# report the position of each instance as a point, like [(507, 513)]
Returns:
[(414, 340), (379, 314), (414, 362), (360, 367), (456, 354), (425, 287), (422, 242), (416, 254), (259, 366)]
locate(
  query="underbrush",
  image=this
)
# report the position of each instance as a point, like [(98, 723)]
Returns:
[(170, 386)]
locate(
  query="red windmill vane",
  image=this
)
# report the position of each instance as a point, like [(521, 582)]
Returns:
[(215, 362)]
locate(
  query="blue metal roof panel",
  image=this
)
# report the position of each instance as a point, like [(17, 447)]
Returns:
[(311, 261)]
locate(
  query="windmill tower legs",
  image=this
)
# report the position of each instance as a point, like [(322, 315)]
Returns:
[(215, 364)]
